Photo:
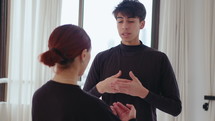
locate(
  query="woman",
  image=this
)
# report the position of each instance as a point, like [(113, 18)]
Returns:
[(61, 99)]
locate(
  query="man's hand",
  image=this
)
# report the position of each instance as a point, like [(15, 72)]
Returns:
[(109, 84), (124, 112), (133, 87)]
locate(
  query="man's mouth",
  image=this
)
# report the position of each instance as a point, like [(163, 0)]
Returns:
[(126, 34)]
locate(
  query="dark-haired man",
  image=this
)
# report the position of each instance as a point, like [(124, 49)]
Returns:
[(132, 73)]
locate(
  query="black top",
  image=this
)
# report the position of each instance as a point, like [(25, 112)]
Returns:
[(150, 66), (64, 102)]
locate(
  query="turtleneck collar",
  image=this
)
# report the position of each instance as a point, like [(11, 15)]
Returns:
[(131, 48)]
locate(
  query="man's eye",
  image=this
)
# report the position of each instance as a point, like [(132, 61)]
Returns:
[(131, 21), (119, 21)]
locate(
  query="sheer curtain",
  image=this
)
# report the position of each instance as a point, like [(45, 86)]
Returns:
[(31, 22), (173, 40), (209, 38)]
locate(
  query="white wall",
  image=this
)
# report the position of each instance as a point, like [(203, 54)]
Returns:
[(198, 85)]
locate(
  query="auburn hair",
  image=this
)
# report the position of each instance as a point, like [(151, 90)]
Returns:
[(65, 43)]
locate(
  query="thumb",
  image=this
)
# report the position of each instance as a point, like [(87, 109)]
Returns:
[(118, 74), (133, 77), (129, 106)]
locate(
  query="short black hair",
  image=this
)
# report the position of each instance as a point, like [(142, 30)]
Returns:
[(131, 8)]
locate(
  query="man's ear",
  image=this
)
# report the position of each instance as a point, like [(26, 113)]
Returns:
[(142, 24)]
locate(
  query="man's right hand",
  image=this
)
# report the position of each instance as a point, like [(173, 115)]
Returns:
[(109, 84)]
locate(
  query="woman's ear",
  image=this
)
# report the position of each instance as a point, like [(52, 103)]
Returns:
[(83, 54)]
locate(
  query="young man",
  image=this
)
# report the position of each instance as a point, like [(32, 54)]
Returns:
[(132, 73)]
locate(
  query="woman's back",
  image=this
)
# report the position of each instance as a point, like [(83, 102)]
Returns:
[(63, 102)]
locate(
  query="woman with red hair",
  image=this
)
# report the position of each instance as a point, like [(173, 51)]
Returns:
[(61, 99)]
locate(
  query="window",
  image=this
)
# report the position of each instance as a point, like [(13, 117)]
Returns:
[(70, 12), (101, 25)]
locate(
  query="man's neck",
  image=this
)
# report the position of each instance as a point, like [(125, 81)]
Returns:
[(131, 43)]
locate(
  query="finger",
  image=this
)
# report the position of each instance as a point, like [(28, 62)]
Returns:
[(121, 85), (118, 110), (113, 110), (115, 88), (123, 80), (118, 74), (119, 81), (122, 107), (133, 77)]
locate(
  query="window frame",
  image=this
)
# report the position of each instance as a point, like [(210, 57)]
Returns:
[(3, 49), (3, 91), (155, 24), (4, 41)]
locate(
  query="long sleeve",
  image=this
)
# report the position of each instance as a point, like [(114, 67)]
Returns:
[(150, 66), (169, 99)]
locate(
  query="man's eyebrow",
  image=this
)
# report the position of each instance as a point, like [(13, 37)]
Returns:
[(119, 17), (122, 17)]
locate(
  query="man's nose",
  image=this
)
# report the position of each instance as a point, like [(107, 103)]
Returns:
[(124, 25)]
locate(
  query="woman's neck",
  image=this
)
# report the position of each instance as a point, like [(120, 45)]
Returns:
[(66, 77)]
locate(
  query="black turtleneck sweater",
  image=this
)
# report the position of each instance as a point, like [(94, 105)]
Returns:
[(65, 102), (150, 66)]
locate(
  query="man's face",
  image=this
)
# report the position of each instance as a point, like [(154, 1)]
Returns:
[(129, 28)]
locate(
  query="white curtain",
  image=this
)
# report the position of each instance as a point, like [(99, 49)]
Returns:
[(173, 40), (209, 38), (31, 22)]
